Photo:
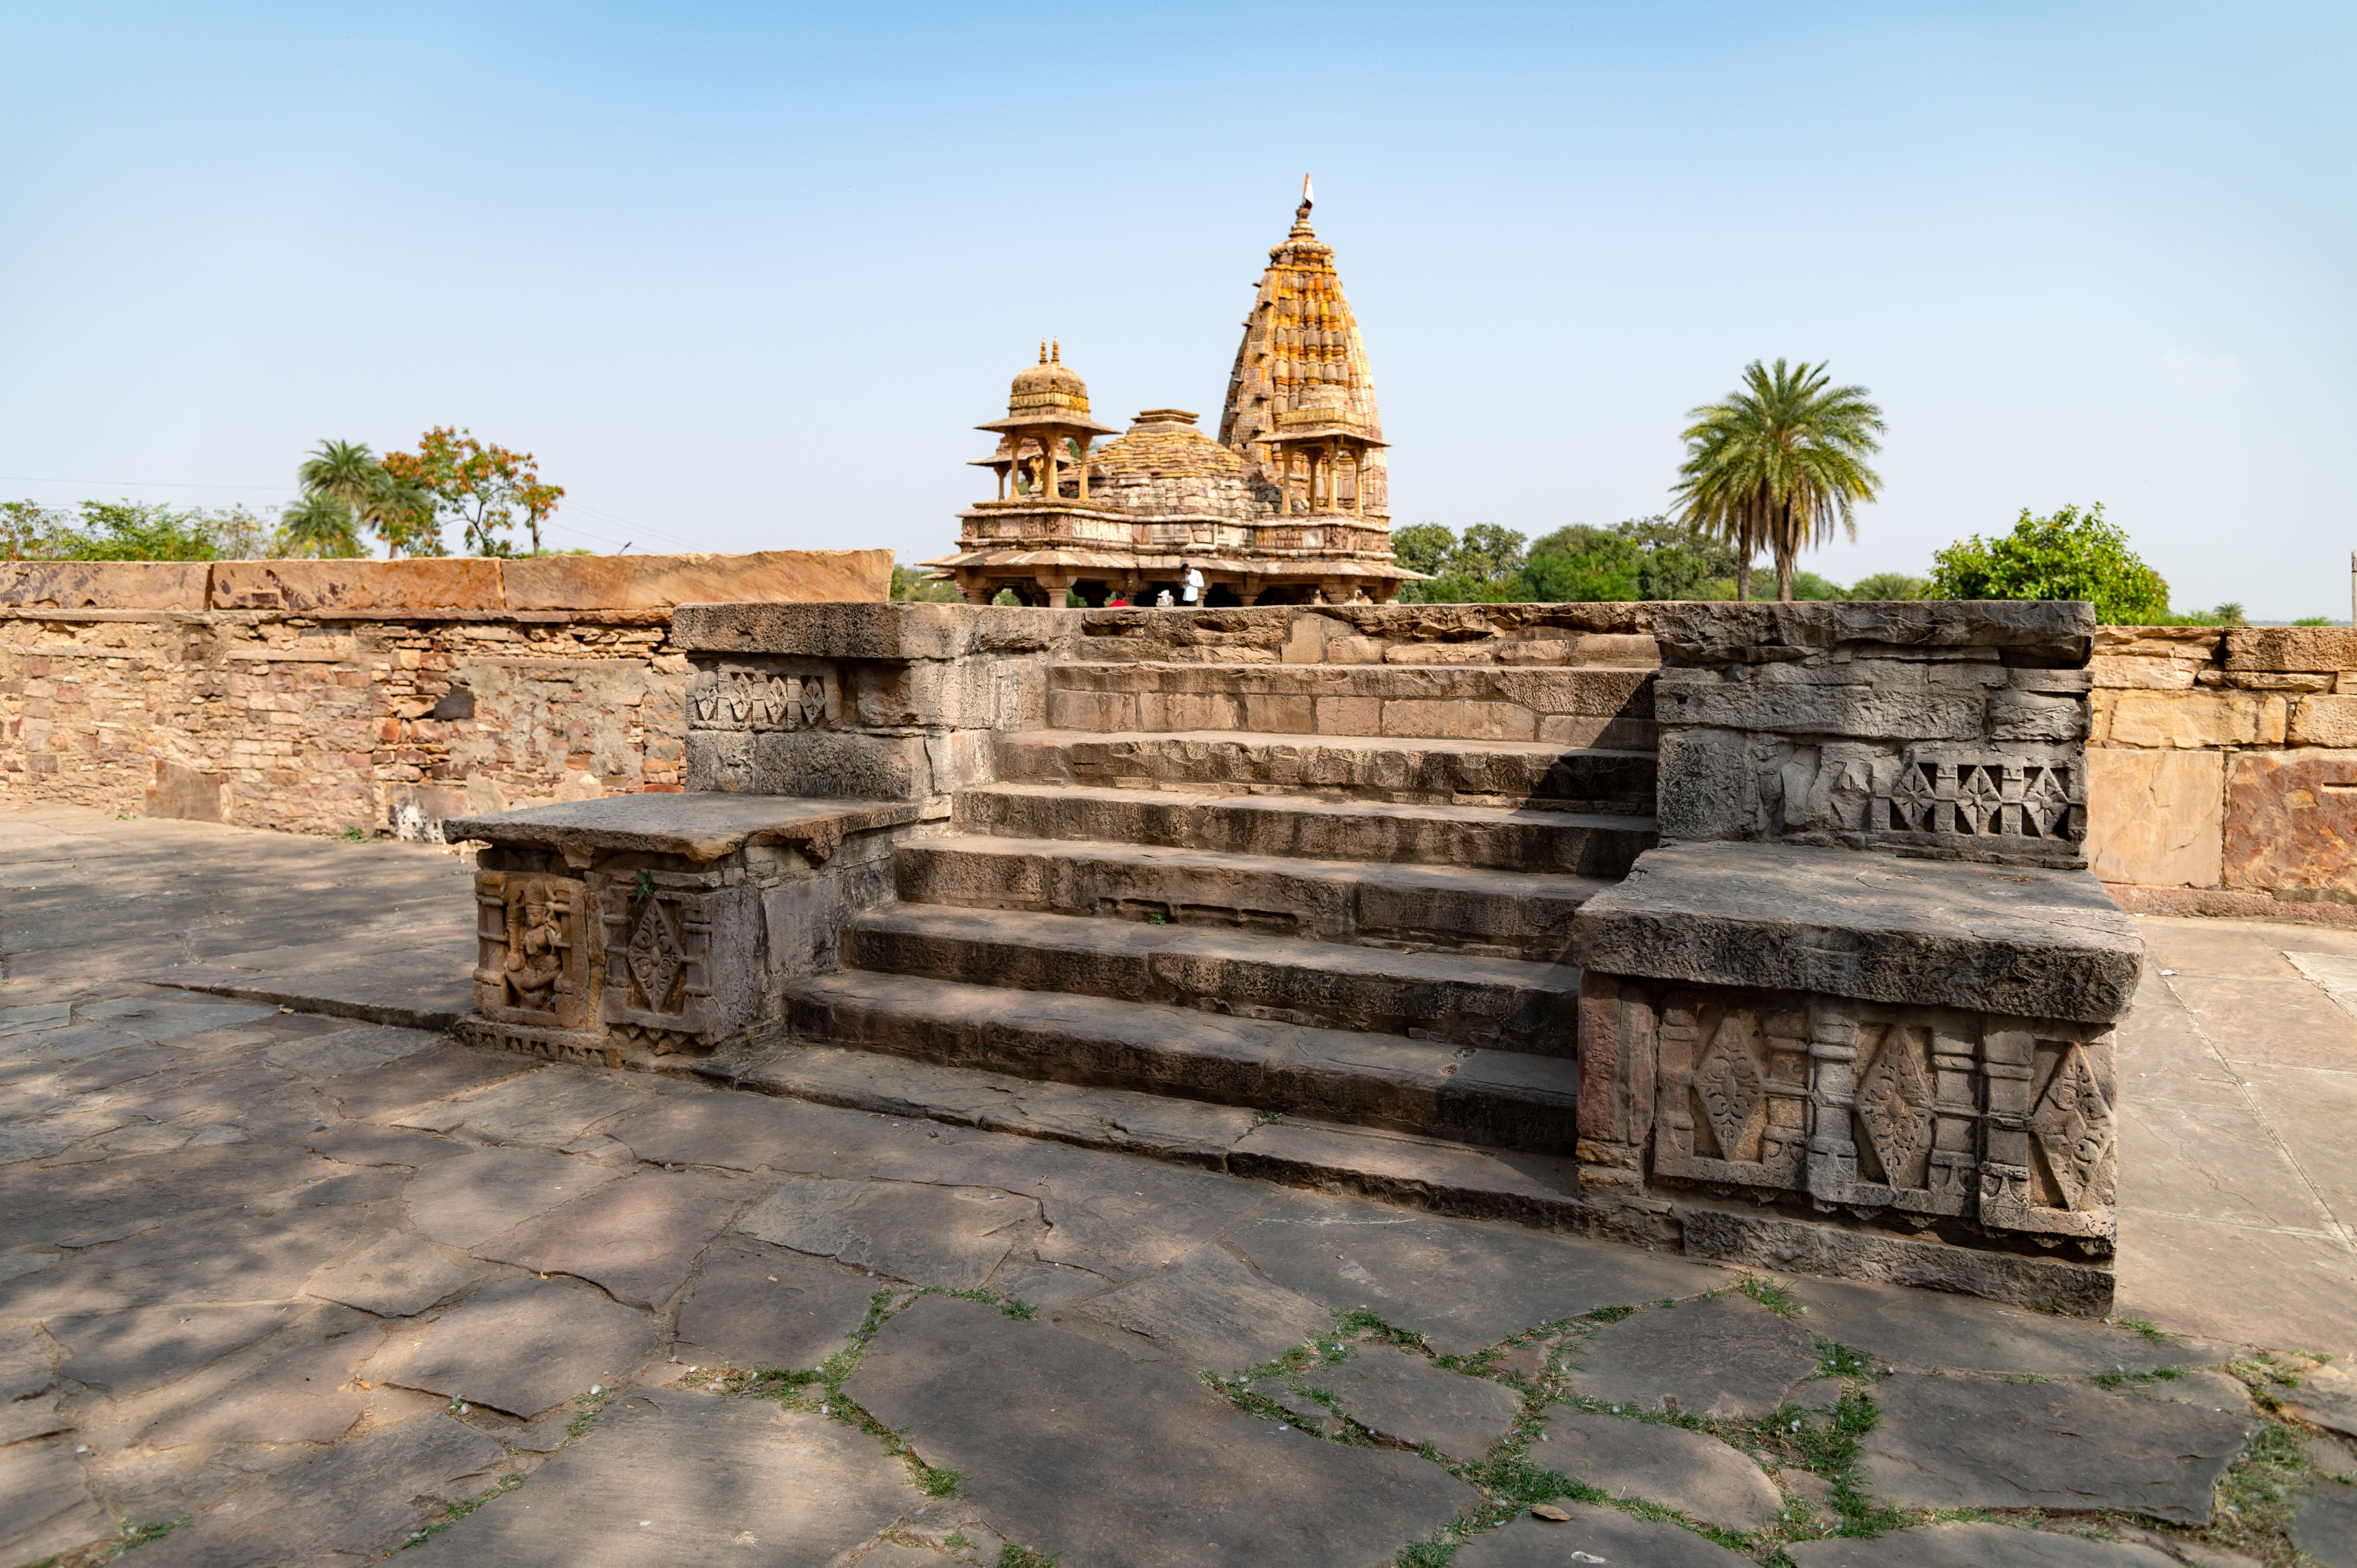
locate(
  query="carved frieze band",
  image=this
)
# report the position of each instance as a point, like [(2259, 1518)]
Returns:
[(771, 696), (1924, 1111), (2030, 799)]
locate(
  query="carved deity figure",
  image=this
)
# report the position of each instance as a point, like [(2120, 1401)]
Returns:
[(534, 971)]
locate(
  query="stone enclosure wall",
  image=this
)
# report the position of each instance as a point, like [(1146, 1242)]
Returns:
[(384, 696), (2223, 770)]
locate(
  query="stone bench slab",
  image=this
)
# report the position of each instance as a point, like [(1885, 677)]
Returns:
[(698, 827), (2006, 940)]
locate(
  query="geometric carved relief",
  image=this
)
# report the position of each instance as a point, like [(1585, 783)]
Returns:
[(1728, 1082), (1936, 795), (681, 954), (1894, 1106), (756, 699), (2074, 1129), (1925, 1111), (654, 957)]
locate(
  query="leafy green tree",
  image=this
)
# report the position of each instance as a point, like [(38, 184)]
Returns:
[(1483, 566), (1781, 462), (1890, 585), (319, 525), (2068, 554), (909, 586), (29, 530), (1582, 564), (1423, 546), (486, 490)]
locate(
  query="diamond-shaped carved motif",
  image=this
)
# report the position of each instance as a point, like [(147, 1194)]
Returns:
[(1895, 1104), (2045, 802), (2073, 1125), (1979, 797), (1727, 1079), (1915, 797), (654, 956)]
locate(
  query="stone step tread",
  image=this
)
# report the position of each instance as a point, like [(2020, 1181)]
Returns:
[(1228, 797), (1088, 670), (1269, 740), (1504, 1098), (1078, 934), (1461, 879)]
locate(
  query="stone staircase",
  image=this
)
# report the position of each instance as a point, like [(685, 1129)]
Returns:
[(1193, 885)]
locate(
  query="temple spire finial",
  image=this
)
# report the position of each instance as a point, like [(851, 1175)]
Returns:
[(1043, 350), (1056, 354), (1308, 200)]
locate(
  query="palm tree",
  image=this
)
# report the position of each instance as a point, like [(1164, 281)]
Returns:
[(345, 470), (319, 525), (1781, 463)]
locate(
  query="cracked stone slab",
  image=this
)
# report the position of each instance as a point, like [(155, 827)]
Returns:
[(671, 1478), (1405, 1398), (129, 1352), (1916, 1330), (158, 1019), (235, 1257), (397, 1275), (38, 1139), (553, 1106), (1727, 1357), (1593, 1535), (2327, 1395), (1975, 1546), (462, 1203), (1207, 1311), (637, 1236), (422, 1080), (360, 1144), (523, 1345), (37, 1417), (1980, 1442), (304, 1396), (2326, 1526), (1138, 1465), (350, 1050), (760, 1306), (355, 1502), (1114, 1215), (1693, 1472), (45, 1503), (758, 1131), (83, 1204), (1310, 1414), (1460, 1285), (926, 1235)]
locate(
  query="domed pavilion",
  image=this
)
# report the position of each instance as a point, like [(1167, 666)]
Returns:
[(1289, 505)]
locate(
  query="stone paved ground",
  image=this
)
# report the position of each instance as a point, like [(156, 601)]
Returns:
[(282, 1288)]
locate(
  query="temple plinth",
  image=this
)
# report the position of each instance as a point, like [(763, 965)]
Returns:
[(1288, 506)]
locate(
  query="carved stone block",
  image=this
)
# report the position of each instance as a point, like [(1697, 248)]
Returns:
[(1925, 1111), (532, 963), (680, 955)]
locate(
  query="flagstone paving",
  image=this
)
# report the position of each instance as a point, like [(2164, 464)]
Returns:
[(285, 1287)]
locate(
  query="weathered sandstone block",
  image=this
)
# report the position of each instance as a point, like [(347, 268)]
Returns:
[(2324, 721), (2156, 817), (105, 585), (660, 582), (2195, 720), (457, 583), (2140, 673), (2292, 647), (1740, 633), (2291, 823), (871, 631)]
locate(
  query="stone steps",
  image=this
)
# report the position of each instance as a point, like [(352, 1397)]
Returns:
[(1507, 837), (1494, 1098), (1571, 706), (1410, 770), (1477, 910), (1481, 1001)]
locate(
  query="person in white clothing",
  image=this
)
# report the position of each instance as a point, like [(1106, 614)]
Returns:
[(1193, 584)]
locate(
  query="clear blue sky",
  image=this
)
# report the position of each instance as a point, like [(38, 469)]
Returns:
[(744, 276)]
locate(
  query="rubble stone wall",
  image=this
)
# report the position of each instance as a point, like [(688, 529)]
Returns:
[(322, 697), (2222, 769)]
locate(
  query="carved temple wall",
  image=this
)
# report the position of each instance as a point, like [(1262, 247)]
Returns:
[(382, 697)]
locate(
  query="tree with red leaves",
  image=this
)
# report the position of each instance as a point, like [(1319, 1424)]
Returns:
[(486, 490)]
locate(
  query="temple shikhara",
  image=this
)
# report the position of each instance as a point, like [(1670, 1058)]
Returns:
[(1287, 506)]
